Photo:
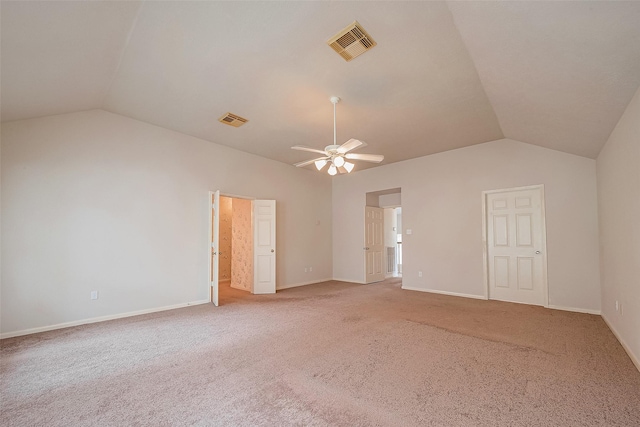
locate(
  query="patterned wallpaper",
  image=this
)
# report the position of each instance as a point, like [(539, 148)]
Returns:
[(242, 245), (224, 260)]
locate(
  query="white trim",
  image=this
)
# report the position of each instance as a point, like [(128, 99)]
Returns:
[(635, 359), (543, 226), (99, 319), (574, 309), (295, 285), (485, 247), (437, 291), (543, 220), (210, 246)]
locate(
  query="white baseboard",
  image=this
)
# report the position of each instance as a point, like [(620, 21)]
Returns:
[(635, 359), (98, 319), (295, 285), (436, 291), (576, 310)]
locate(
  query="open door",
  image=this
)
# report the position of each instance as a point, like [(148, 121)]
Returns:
[(214, 232), (374, 244), (264, 246)]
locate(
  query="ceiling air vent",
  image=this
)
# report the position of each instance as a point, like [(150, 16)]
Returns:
[(232, 120), (351, 42)]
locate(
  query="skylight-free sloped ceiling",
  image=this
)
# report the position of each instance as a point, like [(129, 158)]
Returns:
[(442, 75), (60, 57), (558, 74), (415, 93)]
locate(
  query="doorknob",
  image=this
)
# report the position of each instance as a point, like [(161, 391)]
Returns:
[(537, 252), (215, 253), (366, 249), (272, 251)]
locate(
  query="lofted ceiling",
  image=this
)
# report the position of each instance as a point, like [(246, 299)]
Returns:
[(443, 74)]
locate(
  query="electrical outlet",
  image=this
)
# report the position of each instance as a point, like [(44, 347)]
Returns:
[(94, 294), (310, 268), (617, 306), (419, 273), (306, 269)]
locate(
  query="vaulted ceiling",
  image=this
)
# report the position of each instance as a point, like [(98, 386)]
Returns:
[(443, 74)]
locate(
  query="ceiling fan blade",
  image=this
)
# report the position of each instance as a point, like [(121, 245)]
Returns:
[(308, 162), (375, 158), (303, 148), (351, 144)]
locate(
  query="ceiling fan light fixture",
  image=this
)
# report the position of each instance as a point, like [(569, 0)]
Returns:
[(320, 164), (348, 166), (337, 155)]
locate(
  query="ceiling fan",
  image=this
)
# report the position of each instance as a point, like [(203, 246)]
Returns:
[(337, 155)]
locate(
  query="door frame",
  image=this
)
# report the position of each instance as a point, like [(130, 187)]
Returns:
[(210, 278), (210, 226), (485, 238)]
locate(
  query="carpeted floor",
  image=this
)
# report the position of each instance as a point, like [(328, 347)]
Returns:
[(331, 354)]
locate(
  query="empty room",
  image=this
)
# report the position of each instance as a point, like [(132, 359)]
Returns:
[(320, 213)]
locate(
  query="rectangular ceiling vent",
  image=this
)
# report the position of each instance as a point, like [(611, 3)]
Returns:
[(351, 42), (232, 120)]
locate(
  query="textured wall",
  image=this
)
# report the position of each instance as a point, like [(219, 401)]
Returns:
[(224, 242), (242, 245), (442, 205), (619, 211), (97, 201)]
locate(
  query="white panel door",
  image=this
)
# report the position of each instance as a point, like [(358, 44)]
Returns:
[(515, 243), (214, 222), (374, 244), (264, 246)]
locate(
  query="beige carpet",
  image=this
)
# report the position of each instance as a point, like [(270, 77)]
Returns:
[(330, 354)]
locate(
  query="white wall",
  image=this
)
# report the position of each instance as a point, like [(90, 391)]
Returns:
[(442, 205), (618, 167), (387, 200), (97, 201)]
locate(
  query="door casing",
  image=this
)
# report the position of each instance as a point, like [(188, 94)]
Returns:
[(212, 282), (212, 245)]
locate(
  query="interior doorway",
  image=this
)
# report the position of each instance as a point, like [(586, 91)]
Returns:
[(235, 251), (393, 241), (242, 245), (383, 235)]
